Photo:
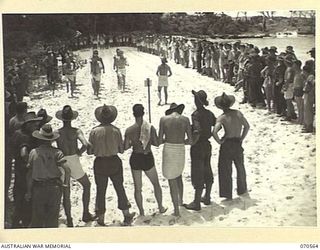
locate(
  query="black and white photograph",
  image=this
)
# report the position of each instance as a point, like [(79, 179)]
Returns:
[(159, 119)]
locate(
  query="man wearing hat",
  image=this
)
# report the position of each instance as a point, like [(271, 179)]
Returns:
[(68, 143), (96, 65), (22, 143), (288, 87), (312, 53), (140, 136), (163, 72), (290, 51), (43, 179), (203, 121), (45, 117), (105, 143), (172, 131), (235, 128), (279, 101)]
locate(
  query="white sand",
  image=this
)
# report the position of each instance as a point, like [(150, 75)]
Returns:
[(280, 161)]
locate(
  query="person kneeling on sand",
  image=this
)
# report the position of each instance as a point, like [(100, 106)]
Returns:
[(236, 128), (172, 131), (105, 143), (140, 136), (68, 143)]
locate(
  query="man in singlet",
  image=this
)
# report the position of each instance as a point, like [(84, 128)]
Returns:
[(68, 144), (96, 65), (163, 72), (172, 130), (236, 128), (119, 65)]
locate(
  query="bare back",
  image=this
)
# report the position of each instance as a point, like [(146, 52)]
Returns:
[(232, 121), (164, 70), (174, 127), (68, 140)]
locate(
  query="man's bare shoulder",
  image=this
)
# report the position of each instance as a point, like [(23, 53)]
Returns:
[(131, 129)]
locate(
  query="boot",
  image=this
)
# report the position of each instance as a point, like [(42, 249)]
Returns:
[(100, 220), (86, 217), (207, 197), (69, 222), (195, 205), (128, 218)]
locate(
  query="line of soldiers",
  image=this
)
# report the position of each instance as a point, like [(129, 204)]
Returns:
[(42, 172), (268, 78)]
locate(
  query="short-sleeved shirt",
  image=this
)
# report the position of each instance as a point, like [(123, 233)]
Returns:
[(202, 122), (133, 134), (43, 161), (105, 140)]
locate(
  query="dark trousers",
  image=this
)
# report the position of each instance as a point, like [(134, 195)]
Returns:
[(46, 199), (231, 151), (201, 172), (199, 60), (22, 208), (102, 179), (279, 101)]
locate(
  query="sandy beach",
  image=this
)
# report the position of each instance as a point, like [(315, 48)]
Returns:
[(280, 161)]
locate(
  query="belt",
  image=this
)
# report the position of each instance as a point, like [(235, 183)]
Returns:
[(48, 182), (232, 139)]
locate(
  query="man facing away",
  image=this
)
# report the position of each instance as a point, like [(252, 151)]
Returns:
[(140, 136), (68, 144), (201, 174), (163, 72), (105, 143), (172, 130), (236, 128), (43, 179)]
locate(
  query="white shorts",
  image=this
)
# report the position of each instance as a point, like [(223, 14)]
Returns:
[(97, 77), (163, 81), (121, 72), (73, 163)]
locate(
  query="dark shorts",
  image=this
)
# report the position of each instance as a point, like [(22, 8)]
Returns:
[(107, 166), (298, 92), (140, 161)]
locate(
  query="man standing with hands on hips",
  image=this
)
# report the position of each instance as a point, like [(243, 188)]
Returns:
[(236, 128)]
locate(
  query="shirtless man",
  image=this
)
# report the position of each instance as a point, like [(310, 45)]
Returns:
[(96, 65), (68, 143), (163, 72), (172, 130), (119, 65), (140, 136), (236, 128)]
